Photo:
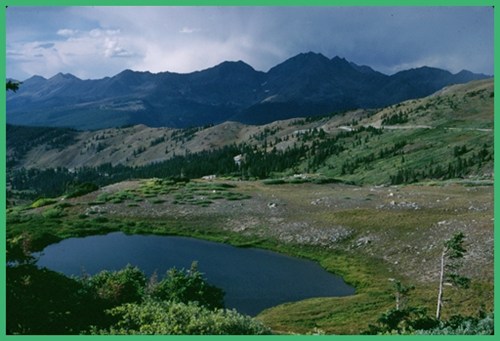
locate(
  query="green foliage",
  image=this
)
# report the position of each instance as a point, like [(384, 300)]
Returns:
[(40, 301), (188, 286), (453, 252), (401, 293), (19, 249), (364, 154), (21, 139), (52, 213), (81, 189), (395, 119), (12, 85), (170, 318), (414, 320), (115, 288), (463, 325), (273, 182), (43, 202), (454, 247), (402, 321)]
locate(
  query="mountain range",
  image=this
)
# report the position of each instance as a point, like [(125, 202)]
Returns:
[(307, 84)]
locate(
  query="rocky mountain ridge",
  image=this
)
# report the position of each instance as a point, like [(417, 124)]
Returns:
[(308, 84)]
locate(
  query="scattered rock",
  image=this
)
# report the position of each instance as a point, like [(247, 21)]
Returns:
[(363, 241)]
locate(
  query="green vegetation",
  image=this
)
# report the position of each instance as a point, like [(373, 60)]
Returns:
[(453, 252), (361, 156), (78, 190), (395, 119), (483, 324), (23, 139), (32, 231), (183, 192), (187, 286), (40, 301), (42, 202), (375, 237), (12, 85), (168, 318)]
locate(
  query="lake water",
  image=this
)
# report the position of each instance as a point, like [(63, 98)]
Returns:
[(253, 279)]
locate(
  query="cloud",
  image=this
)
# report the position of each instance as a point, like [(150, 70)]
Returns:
[(113, 49), (101, 41), (82, 53), (98, 32), (188, 30), (66, 32), (46, 45)]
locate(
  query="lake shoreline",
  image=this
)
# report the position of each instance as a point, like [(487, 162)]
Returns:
[(272, 218)]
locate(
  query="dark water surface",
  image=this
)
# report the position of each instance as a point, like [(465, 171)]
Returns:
[(253, 279)]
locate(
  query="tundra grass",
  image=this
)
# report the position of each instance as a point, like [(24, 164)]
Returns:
[(414, 155), (158, 190), (341, 315)]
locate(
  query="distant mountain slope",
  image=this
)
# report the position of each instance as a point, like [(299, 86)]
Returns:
[(305, 85), (446, 135)]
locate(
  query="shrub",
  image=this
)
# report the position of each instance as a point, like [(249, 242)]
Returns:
[(153, 317), (52, 213), (63, 205), (273, 182), (100, 220), (43, 202), (81, 189), (40, 301), (459, 325), (119, 287), (188, 286)]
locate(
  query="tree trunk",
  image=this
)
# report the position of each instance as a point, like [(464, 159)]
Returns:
[(441, 280)]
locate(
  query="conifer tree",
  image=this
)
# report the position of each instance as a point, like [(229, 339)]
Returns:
[(453, 252)]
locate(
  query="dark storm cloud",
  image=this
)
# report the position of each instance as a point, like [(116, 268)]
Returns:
[(184, 39)]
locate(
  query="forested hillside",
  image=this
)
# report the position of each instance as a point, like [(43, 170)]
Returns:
[(445, 136)]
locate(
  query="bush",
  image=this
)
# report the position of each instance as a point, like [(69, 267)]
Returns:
[(40, 301), (188, 286), (52, 213), (459, 325), (119, 287), (43, 202), (402, 321), (81, 189), (167, 318), (273, 182)]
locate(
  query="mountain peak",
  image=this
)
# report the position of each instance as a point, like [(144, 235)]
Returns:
[(63, 76), (464, 75), (305, 84), (303, 61), (234, 65), (36, 78), (228, 68), (339, 59), (310, 56)]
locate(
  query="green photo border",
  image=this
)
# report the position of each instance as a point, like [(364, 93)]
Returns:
[(214, 3)]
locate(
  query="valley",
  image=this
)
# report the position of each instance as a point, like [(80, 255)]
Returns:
[(444, 136), (371, 195)]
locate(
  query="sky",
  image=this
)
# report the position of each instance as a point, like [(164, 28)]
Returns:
[(96, 42)]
